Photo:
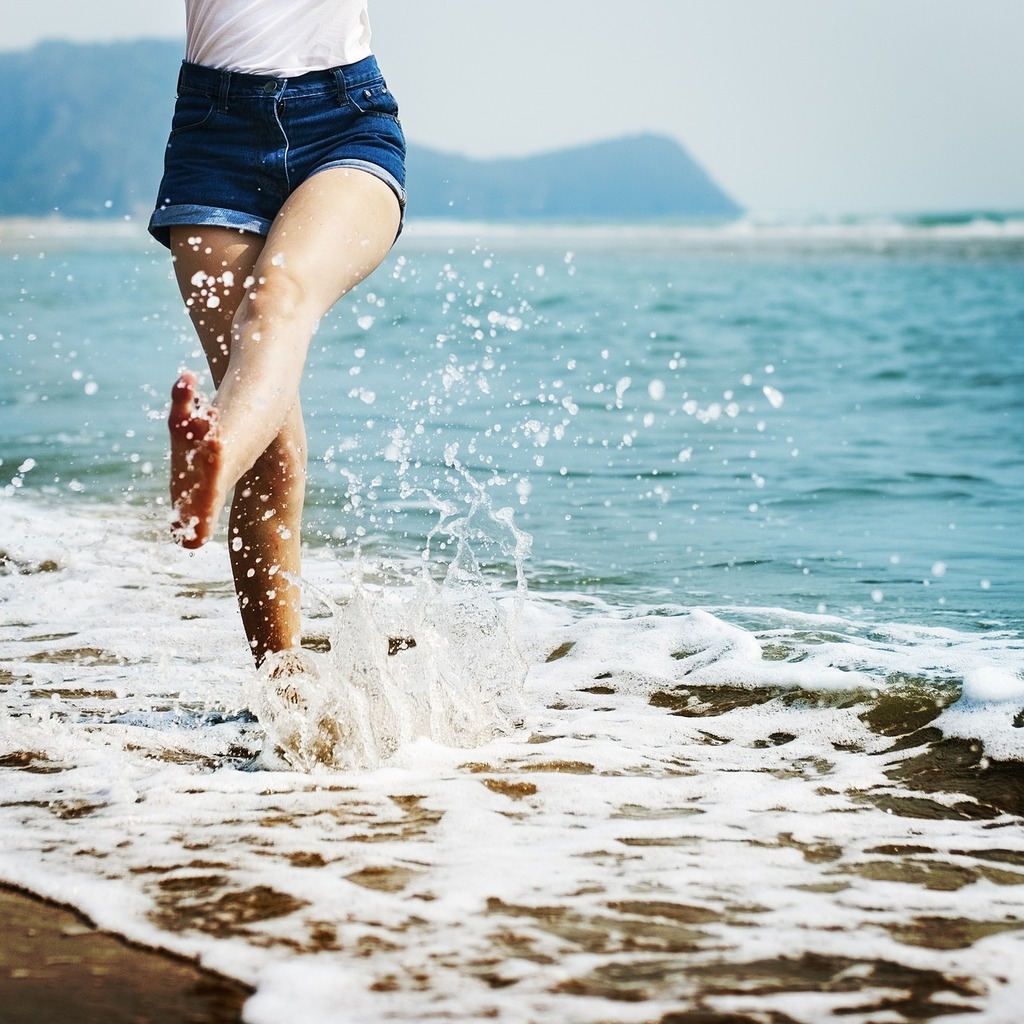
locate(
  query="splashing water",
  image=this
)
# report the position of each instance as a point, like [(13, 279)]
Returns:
[(434, 661)]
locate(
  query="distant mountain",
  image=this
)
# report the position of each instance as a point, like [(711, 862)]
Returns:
[(635, 178), (84, 128)]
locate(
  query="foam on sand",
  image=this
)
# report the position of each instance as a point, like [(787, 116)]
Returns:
[(742, 812)]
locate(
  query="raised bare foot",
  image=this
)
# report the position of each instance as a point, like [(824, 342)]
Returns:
[(196, 496)]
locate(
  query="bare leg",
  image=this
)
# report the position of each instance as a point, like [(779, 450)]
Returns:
[(264, 538), (211, 265), (255, 306)]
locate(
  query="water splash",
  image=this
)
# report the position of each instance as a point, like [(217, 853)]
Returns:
[(434, 660)]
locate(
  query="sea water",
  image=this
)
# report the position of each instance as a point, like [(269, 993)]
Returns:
[(709, 540)]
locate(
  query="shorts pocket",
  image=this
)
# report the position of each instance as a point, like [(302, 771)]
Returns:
[(374, 98), (192, 110)]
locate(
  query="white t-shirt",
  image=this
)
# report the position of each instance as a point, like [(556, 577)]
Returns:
[(283, 38)]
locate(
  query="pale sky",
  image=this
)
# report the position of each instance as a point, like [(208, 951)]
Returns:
[(828, 106)]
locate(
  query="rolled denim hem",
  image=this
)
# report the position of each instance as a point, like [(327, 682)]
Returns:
[(166, 217), (371, 168)]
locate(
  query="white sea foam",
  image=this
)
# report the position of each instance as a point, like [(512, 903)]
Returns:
[(754, 230), (990, 710), (993, 686), (691, 792)]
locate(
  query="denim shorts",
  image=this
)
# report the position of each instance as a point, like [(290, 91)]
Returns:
[(241, 144)]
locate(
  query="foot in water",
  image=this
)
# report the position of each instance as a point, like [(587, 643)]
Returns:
[(299, 710), (196, 496)]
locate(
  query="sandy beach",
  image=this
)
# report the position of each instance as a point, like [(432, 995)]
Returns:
[(56, 966)]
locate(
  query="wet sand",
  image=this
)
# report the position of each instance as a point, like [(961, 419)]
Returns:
[(55, 966)]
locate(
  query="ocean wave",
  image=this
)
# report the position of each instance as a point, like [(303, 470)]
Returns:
[(753, 229), (66, 566)]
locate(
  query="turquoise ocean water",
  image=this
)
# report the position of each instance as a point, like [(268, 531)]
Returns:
[(817, 420), (770, 651)]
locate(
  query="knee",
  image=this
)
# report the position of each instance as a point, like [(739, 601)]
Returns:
[(275, 295)]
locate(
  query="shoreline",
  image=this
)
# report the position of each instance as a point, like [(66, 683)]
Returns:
[(751, 229), (56, 965)]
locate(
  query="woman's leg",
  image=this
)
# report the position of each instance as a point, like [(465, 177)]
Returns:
[(212, 264), (256, 324)]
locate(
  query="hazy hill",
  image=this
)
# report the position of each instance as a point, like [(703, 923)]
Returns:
[(640, 177), (84, 128)]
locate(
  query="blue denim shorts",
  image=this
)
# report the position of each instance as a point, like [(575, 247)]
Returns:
[(241, 144)]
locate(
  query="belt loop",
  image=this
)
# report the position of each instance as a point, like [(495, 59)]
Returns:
[(181, 76), (339, 81), (225, 90)]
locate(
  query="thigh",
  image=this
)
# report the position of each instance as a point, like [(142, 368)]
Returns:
[(332, 232), (214, 267)]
